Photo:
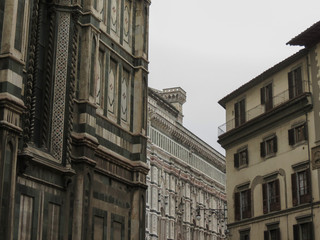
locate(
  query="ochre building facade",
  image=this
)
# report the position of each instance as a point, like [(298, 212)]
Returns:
[(73, 119), (272, 143), (186, 181)]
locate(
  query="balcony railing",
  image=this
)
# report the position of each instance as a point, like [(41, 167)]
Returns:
[(261, 109)]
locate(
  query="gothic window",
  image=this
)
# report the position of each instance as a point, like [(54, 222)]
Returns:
[(268, 147), (271, 196), (241, 158), (301, 187), (240, 113), (267, 97), (295, 83), (297, 134)]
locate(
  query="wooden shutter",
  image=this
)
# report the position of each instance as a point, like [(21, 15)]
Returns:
[(278, 234), (237, 206), (305, 131), (242, 111), (310, 226), (275, 144), (262, 95), (248, 213), (290, 84), (298, 81), (265, 235), (236, 160), (277, 205), (269, 97), (236, 114), (265, 198), (294, 189), (262, 149), (291, 136), (308, 195), (247, 156), (296, 232)]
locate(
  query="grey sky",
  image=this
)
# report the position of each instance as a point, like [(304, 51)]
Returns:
[(210, 48)]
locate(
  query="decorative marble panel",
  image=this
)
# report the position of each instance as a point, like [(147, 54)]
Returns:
[(59, 99)]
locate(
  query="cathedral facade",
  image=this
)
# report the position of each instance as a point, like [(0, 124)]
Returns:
[(73, 104), (186, 183)]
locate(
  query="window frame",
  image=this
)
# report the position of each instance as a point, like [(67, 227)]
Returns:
[(240, 112), (266, 149), (244, 234), (271, 203), (239, 160), (266, 96), (296, 135), (297, 197), (243, 211), (295, 86)]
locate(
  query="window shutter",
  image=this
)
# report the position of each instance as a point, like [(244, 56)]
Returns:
[(298, 82), (310, 226), (278, 234), (262, 95), (308, 195), (236, 160), (248, 214), (275, 144), (265, 235), (243, 111), (291, 136), (236, 114), (305, 132), (265, 198), (296, 232), (290, 84), (247, 156), (262, 149), (294, 189), (237, 206), (277, 185)]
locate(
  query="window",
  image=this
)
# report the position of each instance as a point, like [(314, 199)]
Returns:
[(245, 234), (297, 134), (241, 158), (301, 191), (295, 82), (272, 234), (269, 146), (303, 231), (271, 196), (267, 97), (240, 113), (243, 204)]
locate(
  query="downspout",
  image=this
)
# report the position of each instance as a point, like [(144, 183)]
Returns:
[(309, 155)]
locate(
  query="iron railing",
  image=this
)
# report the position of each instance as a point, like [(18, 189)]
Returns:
[(261, 108)]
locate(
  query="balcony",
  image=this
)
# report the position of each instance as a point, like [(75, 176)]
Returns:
[(276, 102)]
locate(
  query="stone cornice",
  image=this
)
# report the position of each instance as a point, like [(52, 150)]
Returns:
[(184, 137)]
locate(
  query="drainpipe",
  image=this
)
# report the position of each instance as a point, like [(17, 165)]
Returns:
[(309, 155)]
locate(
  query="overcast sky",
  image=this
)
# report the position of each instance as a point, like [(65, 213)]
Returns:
[(210, 48)]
